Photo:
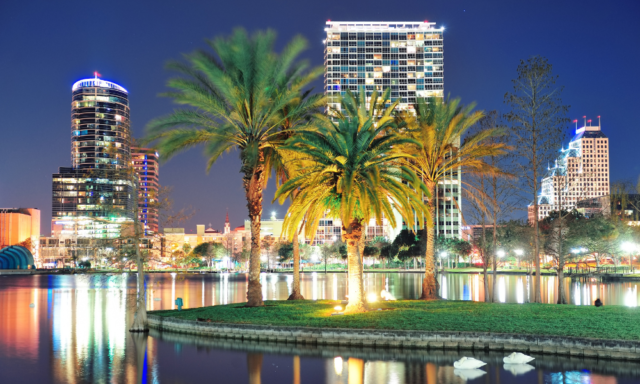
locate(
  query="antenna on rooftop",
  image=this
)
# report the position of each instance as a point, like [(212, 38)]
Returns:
[(599, 122), (585, 120), (576, 121)]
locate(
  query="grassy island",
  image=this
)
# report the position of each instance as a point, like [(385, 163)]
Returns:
[(608, 322)]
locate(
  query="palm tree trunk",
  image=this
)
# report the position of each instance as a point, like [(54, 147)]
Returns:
[(353, 237), (295, 292), (253, 183), (430, 283)]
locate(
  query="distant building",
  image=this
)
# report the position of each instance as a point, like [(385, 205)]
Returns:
[(581, 172), (624, 206), (176, 238), (145, 162), (18, 225), (94, 196), (328, 231)]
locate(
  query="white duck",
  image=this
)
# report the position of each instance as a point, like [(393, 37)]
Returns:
[(517, 358), (468, 363)]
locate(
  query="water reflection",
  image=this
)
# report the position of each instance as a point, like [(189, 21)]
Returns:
[(283, 363), (76, 331)]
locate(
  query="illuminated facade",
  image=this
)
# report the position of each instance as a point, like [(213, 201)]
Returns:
[(96, 195), (17, 225), (406, 57), (581, 172), (146, 165), (100, 135)]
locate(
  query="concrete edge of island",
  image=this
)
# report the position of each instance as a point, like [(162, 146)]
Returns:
[(398, 339)]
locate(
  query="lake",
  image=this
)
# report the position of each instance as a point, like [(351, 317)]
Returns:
[(73, 329)]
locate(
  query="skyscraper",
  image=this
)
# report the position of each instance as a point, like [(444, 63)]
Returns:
[(404, 56), (580, 172), (408, 58), (145, 163), (96, 193)]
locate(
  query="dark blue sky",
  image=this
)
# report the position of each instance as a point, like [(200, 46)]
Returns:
[(45, 46)]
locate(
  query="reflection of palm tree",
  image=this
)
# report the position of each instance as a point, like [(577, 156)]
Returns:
[(254, 365), (296, 369), (356, 371), (140, 344)]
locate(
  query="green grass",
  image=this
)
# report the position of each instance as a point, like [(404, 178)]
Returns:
[(608, 322)]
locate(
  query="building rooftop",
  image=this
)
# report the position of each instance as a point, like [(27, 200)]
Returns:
[(95, 82), (382, 25)]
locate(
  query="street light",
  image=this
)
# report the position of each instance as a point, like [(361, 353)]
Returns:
[(443, 255), (629, 248), (519, 253), (500, 253)]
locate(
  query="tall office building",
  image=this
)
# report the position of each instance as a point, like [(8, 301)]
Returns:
[(406, 57), (580, 172), (145, 163), (93, 196)]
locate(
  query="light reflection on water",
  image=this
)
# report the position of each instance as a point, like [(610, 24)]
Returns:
[(77, 332)]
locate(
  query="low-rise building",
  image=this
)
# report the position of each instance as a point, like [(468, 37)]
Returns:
[(20, 226)]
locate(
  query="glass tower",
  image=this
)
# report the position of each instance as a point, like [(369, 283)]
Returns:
[(146, 165), (95, 196), (99, 118), (404, 56), (408, 58)]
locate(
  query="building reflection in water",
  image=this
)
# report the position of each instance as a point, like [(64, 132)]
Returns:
[(78, 324)]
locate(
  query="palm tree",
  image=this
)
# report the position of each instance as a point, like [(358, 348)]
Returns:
[(438, 126), (305, 115), (352, 169), (236, 97)]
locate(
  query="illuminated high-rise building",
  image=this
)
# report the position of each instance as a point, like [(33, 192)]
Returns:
[(146, 165), (100, 134), (94, 196), (580, 172), (406, 57)]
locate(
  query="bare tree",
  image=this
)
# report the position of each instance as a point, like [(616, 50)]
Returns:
[(492, 198), (537, 120)]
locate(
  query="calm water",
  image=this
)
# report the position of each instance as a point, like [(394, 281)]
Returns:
[(76, 332)]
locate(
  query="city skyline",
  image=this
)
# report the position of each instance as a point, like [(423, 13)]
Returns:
[(479, 68)]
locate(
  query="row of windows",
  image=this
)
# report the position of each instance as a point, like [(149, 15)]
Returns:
[(378, 81), (363, 36), (100, 91), (113, 99)]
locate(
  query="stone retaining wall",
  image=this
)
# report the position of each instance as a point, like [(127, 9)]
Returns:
[(381, 339)]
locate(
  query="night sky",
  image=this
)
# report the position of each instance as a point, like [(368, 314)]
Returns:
[(45, 46)]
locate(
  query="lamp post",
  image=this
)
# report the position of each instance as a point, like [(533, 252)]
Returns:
[(629, 248), (500, 254), (442, 255), (519, 253)]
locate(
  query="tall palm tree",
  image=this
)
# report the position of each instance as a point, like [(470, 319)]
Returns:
[(277, 158), (351, 169), (235, 98), (438, 126)]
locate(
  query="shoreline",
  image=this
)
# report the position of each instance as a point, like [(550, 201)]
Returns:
[(403, 339), (21, 272)]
